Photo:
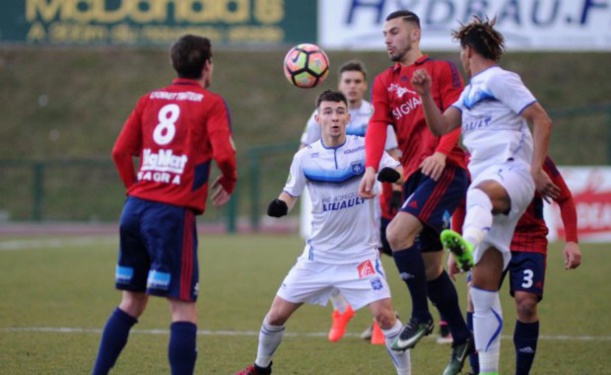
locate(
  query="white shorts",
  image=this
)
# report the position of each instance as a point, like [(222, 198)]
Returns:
[(312, 282), (515, 177)]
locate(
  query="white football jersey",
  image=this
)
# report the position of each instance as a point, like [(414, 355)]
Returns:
[(493, 130), (344, 229), (359, 119)]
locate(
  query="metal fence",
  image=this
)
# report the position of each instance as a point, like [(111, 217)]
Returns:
[(91, 191)]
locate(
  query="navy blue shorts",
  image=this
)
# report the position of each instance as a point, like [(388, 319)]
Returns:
[(526, 273), (158, 250), (433, 202)]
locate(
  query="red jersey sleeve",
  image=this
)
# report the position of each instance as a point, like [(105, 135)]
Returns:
[(450, 87), (565, 201), (128, 145), (223, 150), (375, 137)]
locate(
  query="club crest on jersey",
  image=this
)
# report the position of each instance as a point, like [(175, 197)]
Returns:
[(357, 168), (365, 269), (400, 91)]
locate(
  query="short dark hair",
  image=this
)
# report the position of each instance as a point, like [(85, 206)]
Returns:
[(189, 54), (353, 66), (331, 96), (406, 15), (482, 37)]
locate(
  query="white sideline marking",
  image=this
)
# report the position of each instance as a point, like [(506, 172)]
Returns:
[(54, 243), (256, 333)]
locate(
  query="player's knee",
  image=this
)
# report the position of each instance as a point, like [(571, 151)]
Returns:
[(274, 318), (526, 309), (386, 319), (398, 238), (133, 303)]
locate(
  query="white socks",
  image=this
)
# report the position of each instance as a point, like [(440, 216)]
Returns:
[(487, 326), (479, 217), (339, 302), (270, 338), (401, 359)]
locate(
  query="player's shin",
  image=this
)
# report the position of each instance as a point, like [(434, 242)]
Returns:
[(487, 327), (270, 338), (182, 349), (401, 359)]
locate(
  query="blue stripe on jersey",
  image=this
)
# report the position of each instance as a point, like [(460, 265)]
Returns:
[(335, 175), (356, 131), (475, 96)]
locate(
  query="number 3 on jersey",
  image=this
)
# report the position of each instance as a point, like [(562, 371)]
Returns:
[(166, 129)]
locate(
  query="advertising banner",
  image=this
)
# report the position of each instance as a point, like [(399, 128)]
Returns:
[(591, 189), (528, 25), (119, 22)]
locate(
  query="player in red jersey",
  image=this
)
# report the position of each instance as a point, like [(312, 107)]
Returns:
[(176, 131), (527, 266), (435, 181)]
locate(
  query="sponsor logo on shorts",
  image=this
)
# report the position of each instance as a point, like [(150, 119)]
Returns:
[(366, 269), (377, 284), (158, 280), (124, 275)]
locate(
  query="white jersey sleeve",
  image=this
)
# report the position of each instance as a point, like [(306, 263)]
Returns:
[(511, 92), (311, 133), (296, 181), (388, 161), (391, 139)]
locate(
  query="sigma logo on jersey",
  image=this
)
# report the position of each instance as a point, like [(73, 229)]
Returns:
[(365, 269), (163, 166), (406, 108)]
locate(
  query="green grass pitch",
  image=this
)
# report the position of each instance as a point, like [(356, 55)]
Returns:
[(56, 294)]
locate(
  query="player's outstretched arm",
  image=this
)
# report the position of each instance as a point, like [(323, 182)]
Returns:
[(439, 123), (281, 206), (542, 132)]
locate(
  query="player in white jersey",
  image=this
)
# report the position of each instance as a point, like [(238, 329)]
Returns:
[(506, 166), (341, 252), (353, 84)]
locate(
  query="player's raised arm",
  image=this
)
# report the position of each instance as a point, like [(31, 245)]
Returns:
[(439, 123)]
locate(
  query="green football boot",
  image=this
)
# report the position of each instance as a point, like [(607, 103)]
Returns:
[(462, 250)]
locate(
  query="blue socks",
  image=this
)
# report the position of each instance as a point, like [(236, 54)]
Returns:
[(114, 338), (411, 269), (182, 350), (442, 293), (525, 339)]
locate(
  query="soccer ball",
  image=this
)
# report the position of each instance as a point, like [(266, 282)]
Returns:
[(306, 65)]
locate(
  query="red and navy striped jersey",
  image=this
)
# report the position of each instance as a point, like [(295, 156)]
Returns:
[(531, 231), (176, 131), (396, 103)]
